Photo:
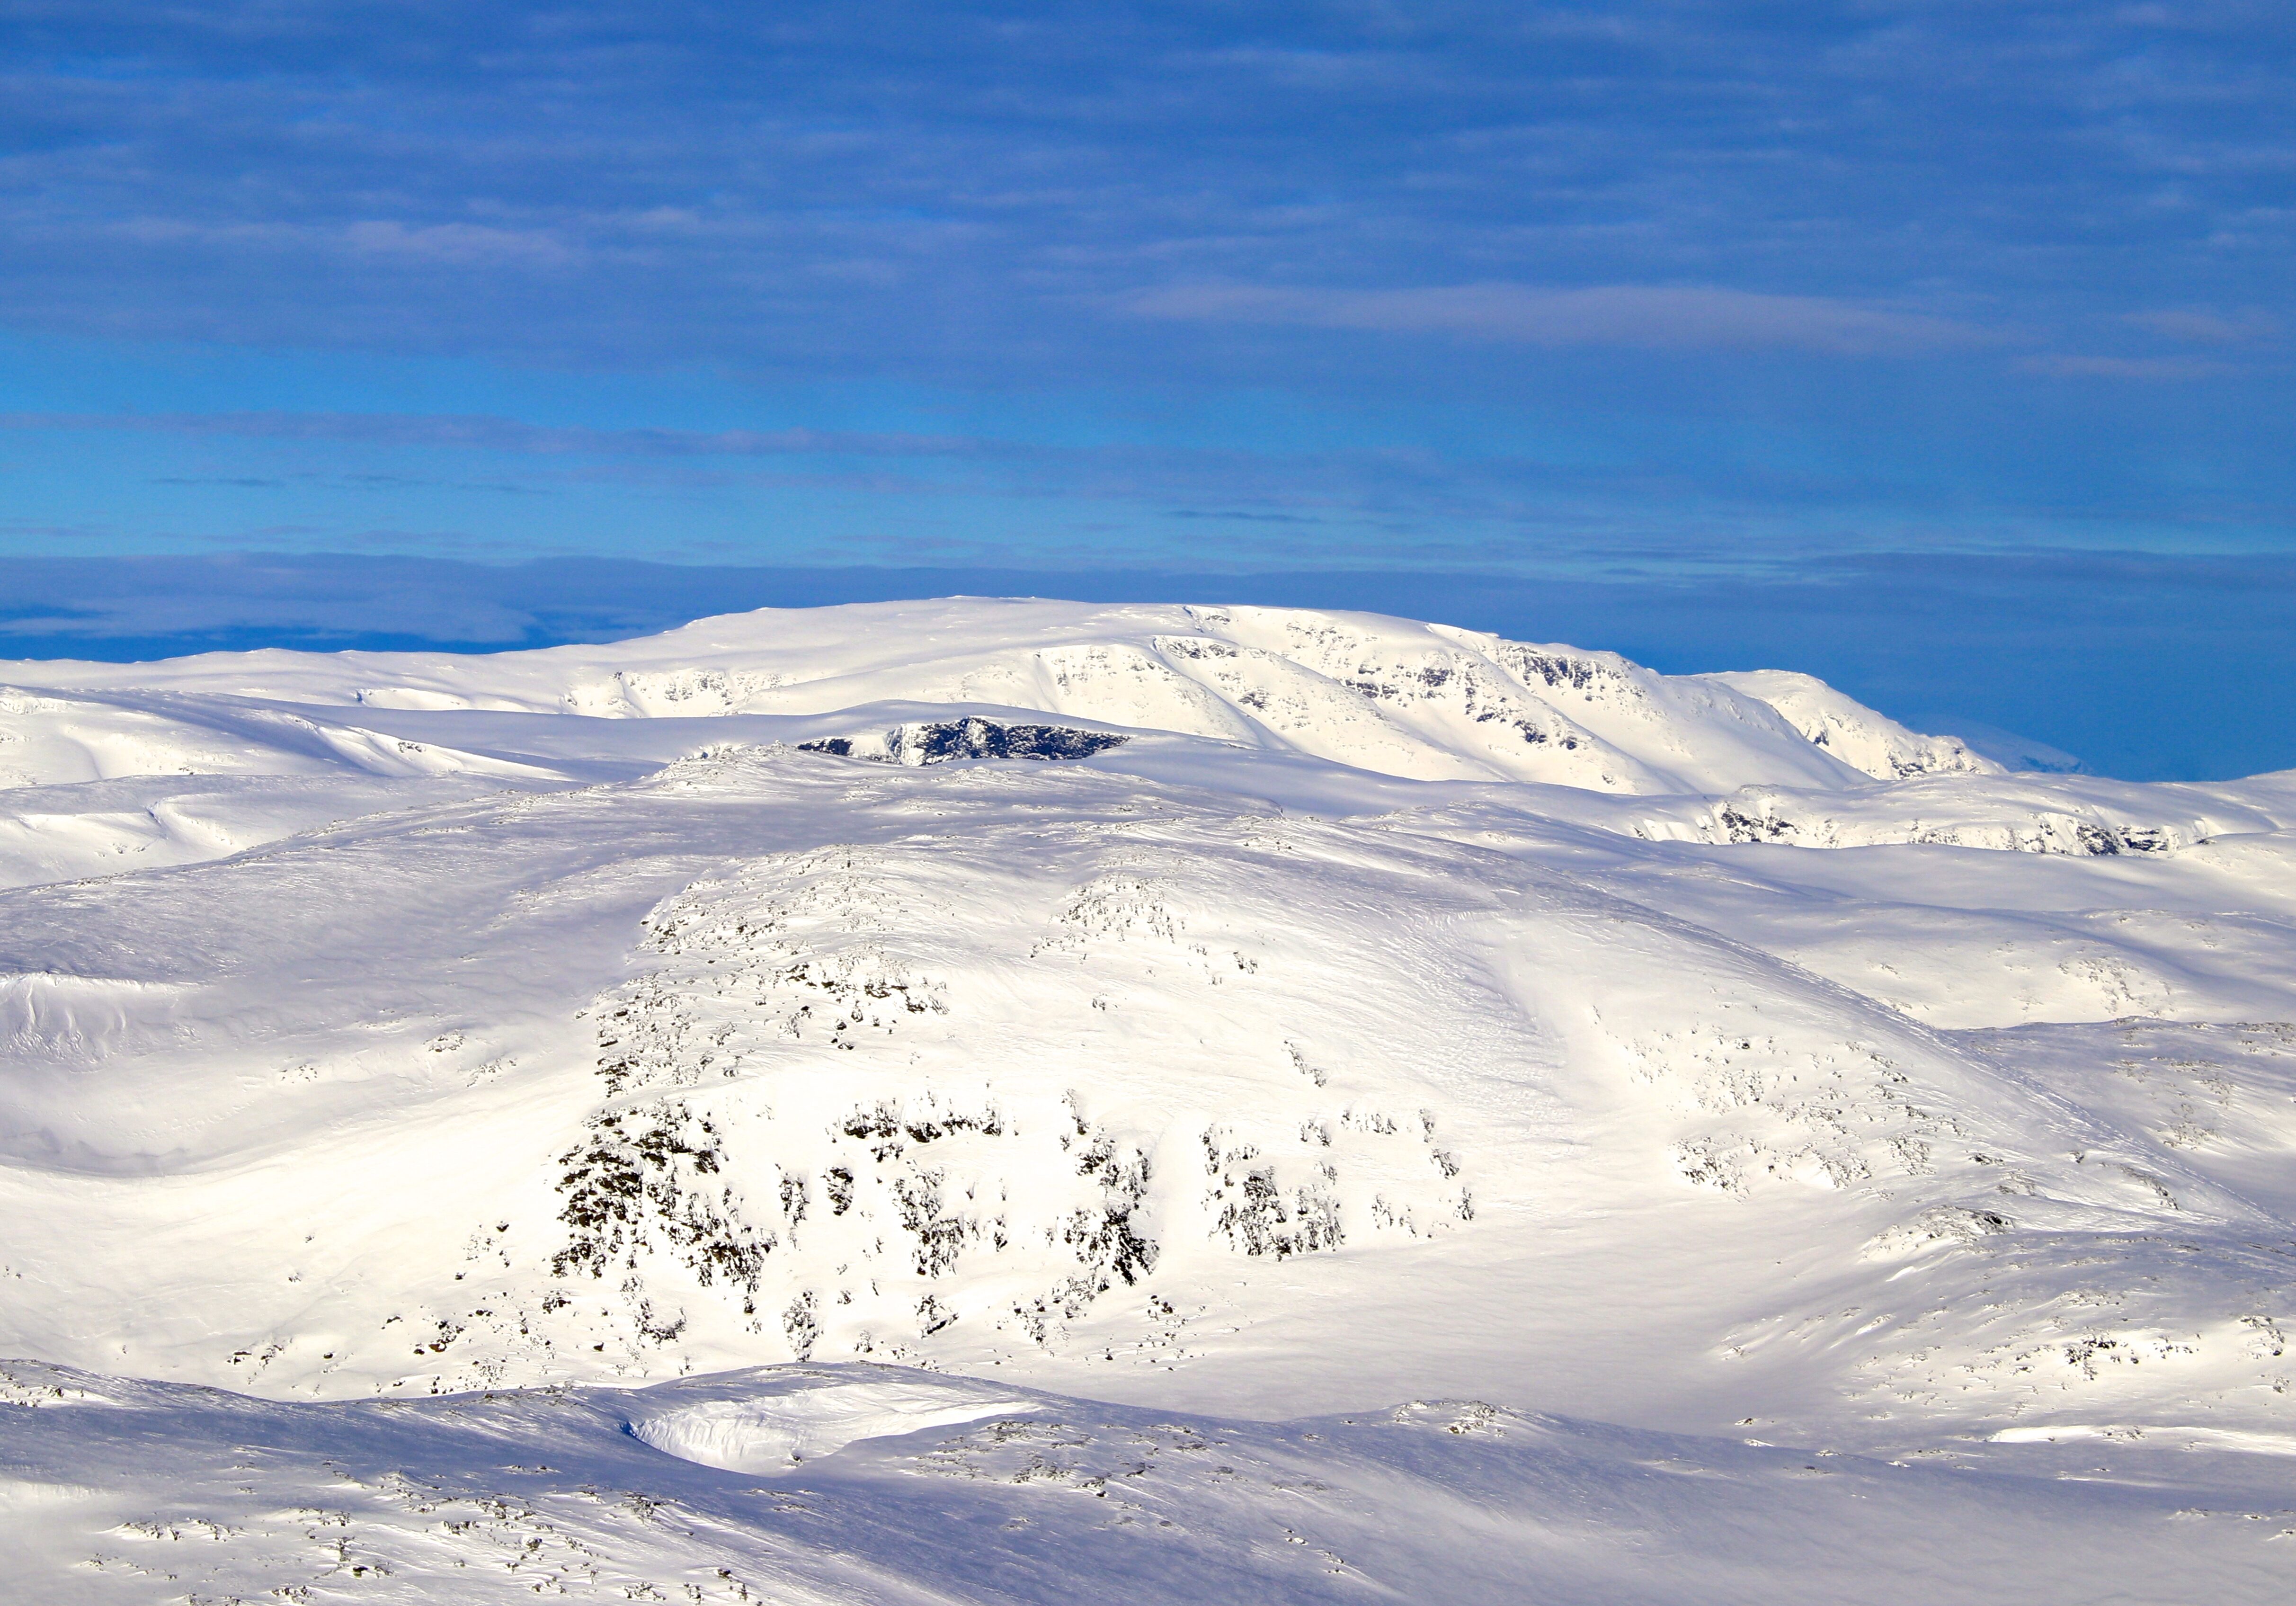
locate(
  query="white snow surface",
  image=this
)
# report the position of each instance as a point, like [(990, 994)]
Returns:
[(1854, 734), (787, 1419), (1093, 1100)]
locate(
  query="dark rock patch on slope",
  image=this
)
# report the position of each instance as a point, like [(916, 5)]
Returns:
[(936, 741)]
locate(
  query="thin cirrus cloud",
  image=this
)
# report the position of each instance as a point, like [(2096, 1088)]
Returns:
[(894, 461), (2074, 365), (1479, 275), (446, 245), (481, 432), (1656, 316), (2209, 328)]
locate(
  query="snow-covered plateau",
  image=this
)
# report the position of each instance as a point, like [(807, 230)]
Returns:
[(992, 1101)]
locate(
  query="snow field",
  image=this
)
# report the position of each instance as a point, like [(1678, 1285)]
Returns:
[(139, 1491), (1308, 1013)]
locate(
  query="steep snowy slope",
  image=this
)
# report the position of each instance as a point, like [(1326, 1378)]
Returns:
[(1238, 1025), (1853, 733)]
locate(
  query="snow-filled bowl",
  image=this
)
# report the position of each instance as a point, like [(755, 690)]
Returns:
[(773, 1432)]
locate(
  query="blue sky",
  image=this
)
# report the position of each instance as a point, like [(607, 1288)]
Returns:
[(1616, 294)]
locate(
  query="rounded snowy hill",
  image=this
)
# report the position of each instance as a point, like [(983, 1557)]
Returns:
[(1425, 701), (1229, 1009)]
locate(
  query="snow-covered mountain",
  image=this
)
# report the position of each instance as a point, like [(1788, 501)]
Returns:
[(1848, 730), (1424, 702), (1243, 1013)]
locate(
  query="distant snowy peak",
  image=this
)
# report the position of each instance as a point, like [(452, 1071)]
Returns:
[(1853, 733), (2018, 754), (1393, 696)]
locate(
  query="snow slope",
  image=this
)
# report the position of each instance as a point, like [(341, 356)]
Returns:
[(955, 1490), (1239, 1013), (1853, 733), (1390, 695)]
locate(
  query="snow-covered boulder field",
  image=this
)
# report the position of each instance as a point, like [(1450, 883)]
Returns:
[(1014, 1101)]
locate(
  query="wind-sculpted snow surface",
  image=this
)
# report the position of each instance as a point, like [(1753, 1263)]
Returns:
[(869, 1484), (1242, 1012)]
